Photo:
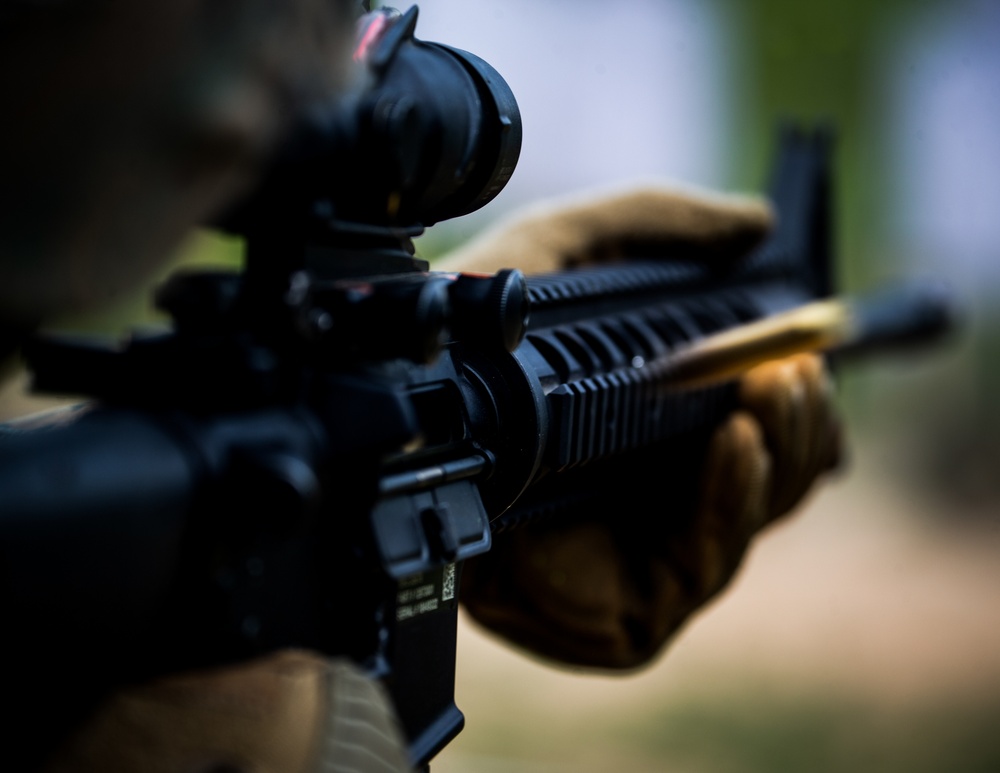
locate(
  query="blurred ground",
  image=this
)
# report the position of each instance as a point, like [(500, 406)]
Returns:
[(862, 634)]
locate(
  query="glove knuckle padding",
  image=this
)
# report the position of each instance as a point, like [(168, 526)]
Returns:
[(732, 505), (360, 729), (291, 712), (737, 472), (792, 400)]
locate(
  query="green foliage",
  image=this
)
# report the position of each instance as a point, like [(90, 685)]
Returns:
[(819, 62)]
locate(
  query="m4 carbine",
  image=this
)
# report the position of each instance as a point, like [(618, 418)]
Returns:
[(316, 445)]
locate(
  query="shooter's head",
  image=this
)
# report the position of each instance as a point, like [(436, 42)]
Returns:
[(126, 123)]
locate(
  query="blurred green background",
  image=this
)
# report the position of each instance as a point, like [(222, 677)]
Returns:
[(864, 634)]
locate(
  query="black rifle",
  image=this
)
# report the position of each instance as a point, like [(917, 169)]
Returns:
[(311, 451)]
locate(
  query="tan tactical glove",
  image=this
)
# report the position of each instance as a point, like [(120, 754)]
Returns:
[(560, 233), (588, 594), (291, 712)]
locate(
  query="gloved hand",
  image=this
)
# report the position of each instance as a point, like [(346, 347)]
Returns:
[(561, 233), (290, 712), (589, 593)]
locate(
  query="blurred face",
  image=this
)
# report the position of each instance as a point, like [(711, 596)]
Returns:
[(126, 123)]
